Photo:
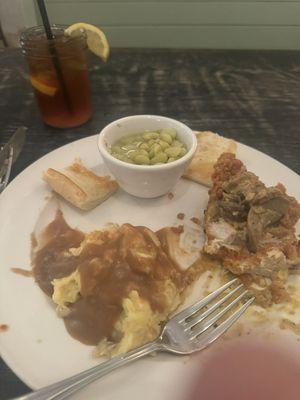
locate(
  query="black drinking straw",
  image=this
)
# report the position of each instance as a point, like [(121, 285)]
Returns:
[(53, 52)]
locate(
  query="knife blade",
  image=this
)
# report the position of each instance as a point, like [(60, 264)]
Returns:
[(16, 142)]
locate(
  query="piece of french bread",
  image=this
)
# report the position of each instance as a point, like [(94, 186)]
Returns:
[(80, 186), (209, 148)]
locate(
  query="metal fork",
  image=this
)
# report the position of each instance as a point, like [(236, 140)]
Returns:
[(187, 332)]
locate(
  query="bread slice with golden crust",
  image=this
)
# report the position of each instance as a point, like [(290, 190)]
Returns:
[(80, 186), (210, 147)]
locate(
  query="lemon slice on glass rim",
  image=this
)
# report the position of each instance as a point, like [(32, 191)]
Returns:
[(95, 38)]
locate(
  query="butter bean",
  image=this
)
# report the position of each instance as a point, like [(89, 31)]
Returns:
[(156, 148), (159, 158), (177, 143), (143, 152), (150, 135), (144, 146), (131, 154), (141, 159), (170, 131), (166, 138), (151, 153), (173, 151), (164, 145)]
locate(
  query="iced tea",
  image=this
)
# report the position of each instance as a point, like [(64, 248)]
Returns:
[(59, 76)]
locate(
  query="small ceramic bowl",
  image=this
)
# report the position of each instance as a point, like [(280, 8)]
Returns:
[(145, 181)]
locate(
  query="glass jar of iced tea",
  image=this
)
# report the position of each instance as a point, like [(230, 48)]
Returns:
[(59, 75)]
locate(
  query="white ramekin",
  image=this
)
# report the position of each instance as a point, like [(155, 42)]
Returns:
[(144, 180)]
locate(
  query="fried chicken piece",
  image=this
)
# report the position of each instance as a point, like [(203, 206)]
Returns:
[(251, 227)]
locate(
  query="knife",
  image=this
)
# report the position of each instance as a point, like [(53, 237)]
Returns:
[(16, 142), (9, 153)]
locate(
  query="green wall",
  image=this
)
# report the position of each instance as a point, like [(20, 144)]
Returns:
[(188, 24)]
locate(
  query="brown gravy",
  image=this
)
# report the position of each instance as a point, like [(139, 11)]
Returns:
[(110, 268), (51, 262), (196, 220), (22, 271), (4, 328)]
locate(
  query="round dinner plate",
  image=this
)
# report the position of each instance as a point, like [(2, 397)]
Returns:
[(36, 345)]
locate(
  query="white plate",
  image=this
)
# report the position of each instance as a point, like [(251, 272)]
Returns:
[(36, 346)]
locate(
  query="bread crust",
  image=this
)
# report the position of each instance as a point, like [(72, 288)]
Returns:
[(80, 186), (210, 147)]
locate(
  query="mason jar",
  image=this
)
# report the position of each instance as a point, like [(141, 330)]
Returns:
[(59, 75)]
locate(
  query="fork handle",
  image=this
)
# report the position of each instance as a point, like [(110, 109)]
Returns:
[(66, 387)]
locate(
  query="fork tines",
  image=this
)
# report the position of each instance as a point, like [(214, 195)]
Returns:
[(210, 311)]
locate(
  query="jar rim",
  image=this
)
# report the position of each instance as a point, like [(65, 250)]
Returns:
[(34, 42), (31, 37)]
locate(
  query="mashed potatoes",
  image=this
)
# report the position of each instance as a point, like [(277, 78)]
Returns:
[(114, 287)]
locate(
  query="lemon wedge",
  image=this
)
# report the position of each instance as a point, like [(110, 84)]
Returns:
[(95, 38), (43, 87)]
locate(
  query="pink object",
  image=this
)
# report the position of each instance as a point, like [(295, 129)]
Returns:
[(248, 371)]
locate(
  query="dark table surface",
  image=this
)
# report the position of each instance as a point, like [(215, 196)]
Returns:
[(250, 96)]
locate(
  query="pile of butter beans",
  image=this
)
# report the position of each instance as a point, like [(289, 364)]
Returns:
[(149, 148)]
